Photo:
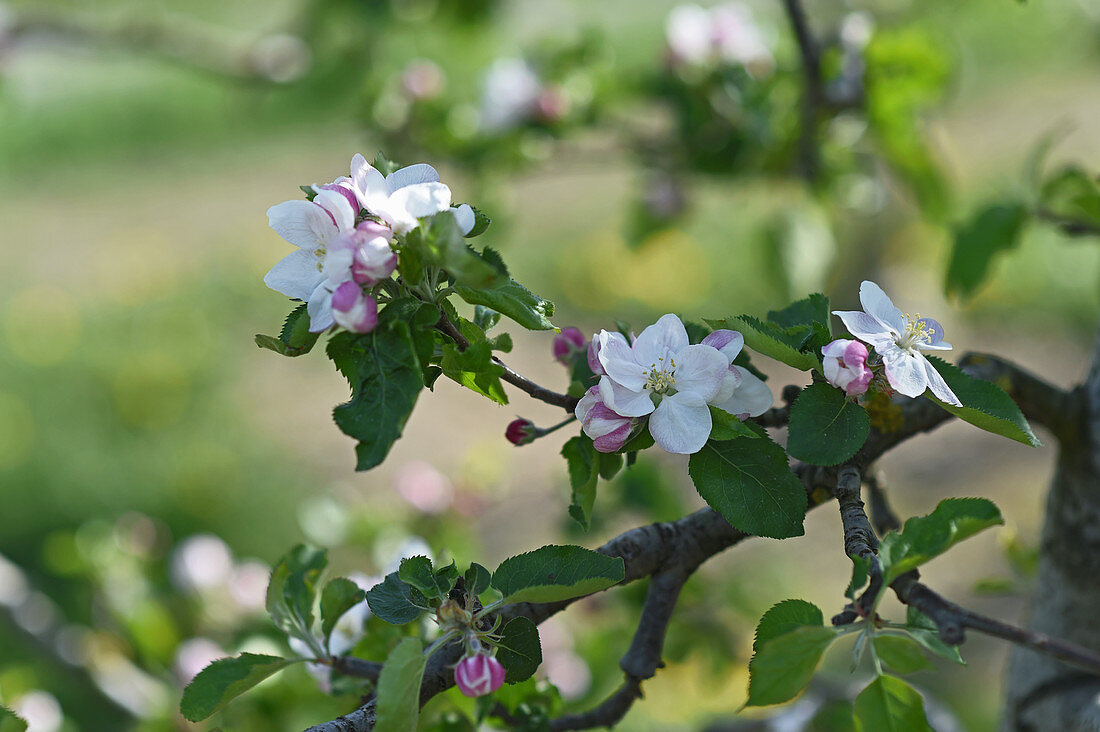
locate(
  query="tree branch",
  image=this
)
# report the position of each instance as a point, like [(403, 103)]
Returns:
[(813, 92), (859, 538), (1057, 410)]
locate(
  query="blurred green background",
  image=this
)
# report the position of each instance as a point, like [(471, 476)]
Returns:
[(140, 146)]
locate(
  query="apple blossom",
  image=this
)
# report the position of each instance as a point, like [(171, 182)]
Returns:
[(308, 274), (510, 94), (743, 394), (404, 196), (899, 339), (727, 33), (594, 351), (479, 675), (568, 342), (609, 431), (845, 364), (353, 309), (665, 377), (371, 259)]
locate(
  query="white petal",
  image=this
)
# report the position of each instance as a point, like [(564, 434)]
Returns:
[(681, 423), (729, 342), (624, 401), (752, 397), (338, 206), (320, 309), (465, 217), (617, 360), (422, 199), (730, 383), (666, 336), (419, 173), (295, 275), (369, 183), (904, 371), (879, 306), (864, 327), (301, 223), (938, 386), (700, 369)]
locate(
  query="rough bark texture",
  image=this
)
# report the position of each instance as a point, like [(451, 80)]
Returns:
[(1042, 693)]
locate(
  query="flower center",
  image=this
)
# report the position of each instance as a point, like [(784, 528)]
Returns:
[(662, 376), (917, 332)]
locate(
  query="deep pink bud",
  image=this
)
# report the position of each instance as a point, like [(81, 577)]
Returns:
[(594, 357), (568, 342), (845, 366), (479, 675), (372, 258), (520, 431), (353, 310)]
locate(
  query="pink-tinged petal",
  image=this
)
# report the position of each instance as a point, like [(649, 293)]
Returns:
[(613, 441), (590, 399), (373, 261), (700, 370), (411, 175), (904, 371), (422, 199), (464, 215), (369, 183), (879, 306), (347, 190), (601, 421), (345, 296), (837, 348), (864, 327), (624, 401), (319, 309), (938, 386), (681, 423), (729, 342), (730, 384), (374, 230), (752, 397), (855, 354), (295, 275), (302, 223), (665, 337), (618, 361), (338, 207), (594, 351)]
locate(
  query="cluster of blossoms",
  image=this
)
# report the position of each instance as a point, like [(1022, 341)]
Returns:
[(345, 238), (513, 94), (898, 339), (662, 381), (724, 34)]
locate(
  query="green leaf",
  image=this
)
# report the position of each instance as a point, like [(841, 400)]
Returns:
[(451, 252), (225, 679), (513, 300), (383, 369), (783, 617), (923, 630), (395, 601), (726, 426), (901, 653), (1073, 195), (10, 721), (475, 369), (610, 464), (749, 482), (519, 650), (826, 427), (481, 223), (584, 463), (384, 165), (417, 572), (985, 405), (477, 579), (926, 537), (861, 571), (773, 340), (292, 590), (993, 229), (807, 311), (339, 596), (553, 573), (890, 705), (294, 339), (782, 667), (398, 689)]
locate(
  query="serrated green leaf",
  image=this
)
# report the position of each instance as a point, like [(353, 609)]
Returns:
[(513, 300), (294, 338), (782, 667), (398, 689), (418, 572), (726, 426), (749, 482), (923, 538), (985, 404), (10, 721), (292, 591), (993, 229), (783, 617), (475, 369), (553, 573), (519, 650), (583, 463), (395, 601), (225, 679), (826, 428), (807, 311), (486, 318), (339, 596), (890, 705), (772, 340), (481, 223), (901, 653), (477, 579), (923, 630)]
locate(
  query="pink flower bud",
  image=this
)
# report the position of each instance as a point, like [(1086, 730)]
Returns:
[(343, 186), (568, 342), (353, 310), (479, 675), (845, 365), (372, 258), (609, 430), (520, 431), (594, 357)]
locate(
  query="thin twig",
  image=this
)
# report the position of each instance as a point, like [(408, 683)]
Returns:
[(813, 89)]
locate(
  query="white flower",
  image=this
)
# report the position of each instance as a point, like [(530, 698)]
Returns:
[(609, 431), (665, 377), (742, 394), (899, 339), (725, 33), (309, 274), (511, 91), (404, 196)]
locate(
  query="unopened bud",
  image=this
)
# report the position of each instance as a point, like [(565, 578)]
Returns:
[(353, 310), (568, 342), (520, 431), (845, 366), (479, 675)]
